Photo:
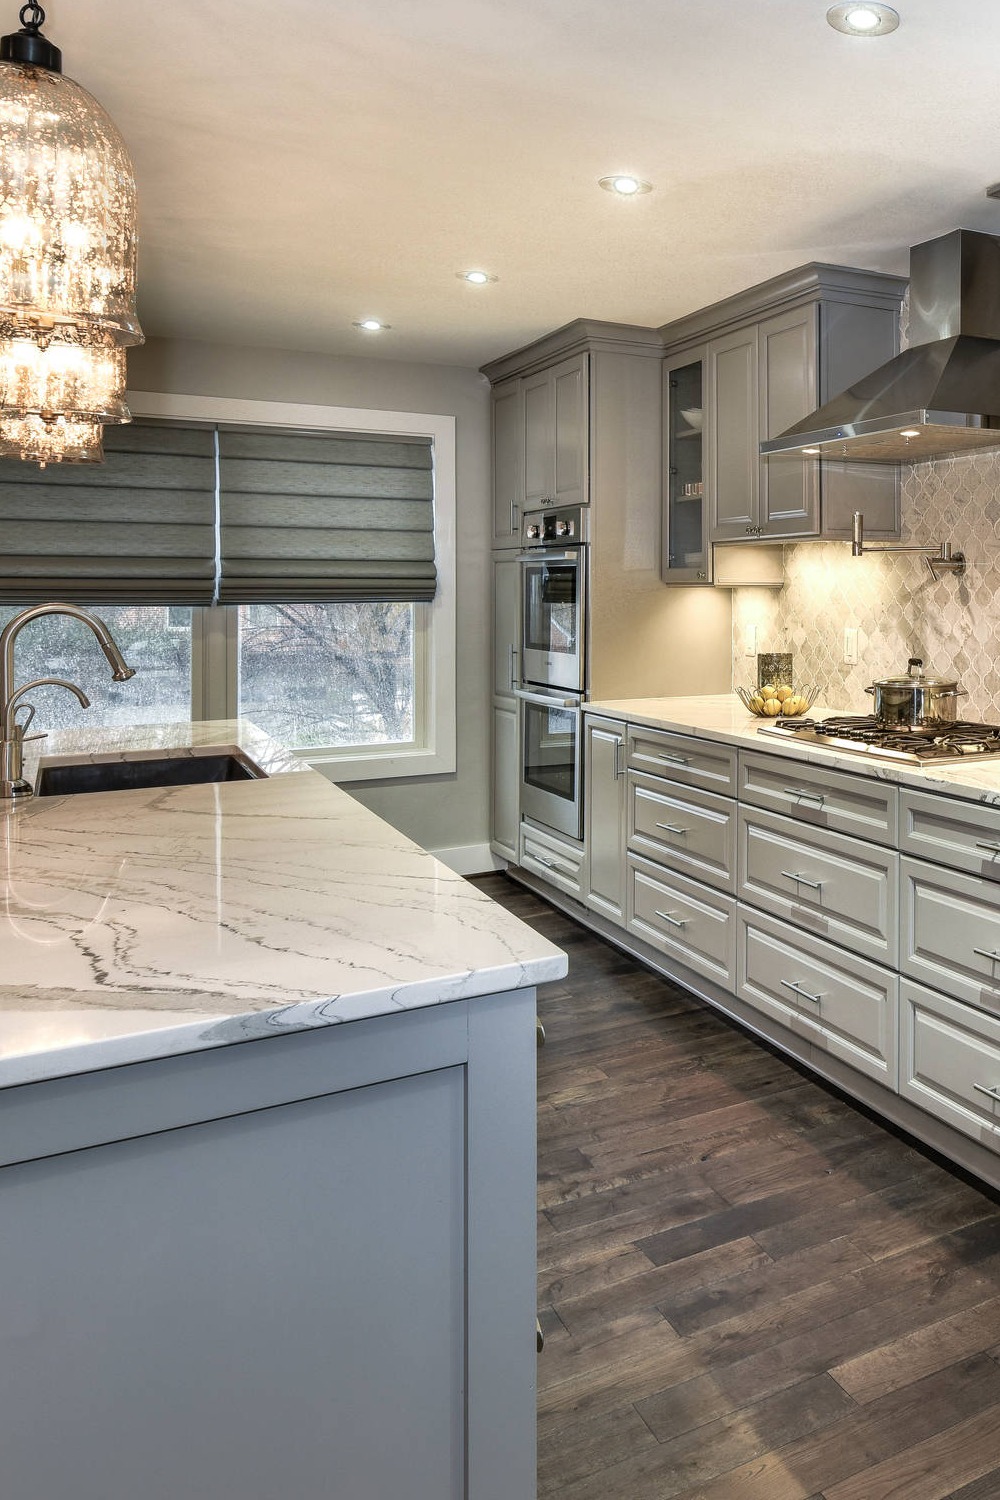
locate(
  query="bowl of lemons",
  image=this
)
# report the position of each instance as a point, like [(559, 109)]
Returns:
[(777, 701)]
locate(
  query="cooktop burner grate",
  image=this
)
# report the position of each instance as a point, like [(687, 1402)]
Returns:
[(864, 735)]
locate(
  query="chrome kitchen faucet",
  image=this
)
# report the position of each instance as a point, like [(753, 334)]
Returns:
[(12, 782)]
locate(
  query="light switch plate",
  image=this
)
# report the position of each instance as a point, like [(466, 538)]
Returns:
[(851, 645), (750, 641)]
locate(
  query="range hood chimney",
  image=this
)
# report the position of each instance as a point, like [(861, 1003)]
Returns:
[(941, 396)]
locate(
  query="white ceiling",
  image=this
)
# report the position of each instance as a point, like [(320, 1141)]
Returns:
[(301, 166)]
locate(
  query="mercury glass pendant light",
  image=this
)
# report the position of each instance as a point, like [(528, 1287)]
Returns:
[(67, 257)]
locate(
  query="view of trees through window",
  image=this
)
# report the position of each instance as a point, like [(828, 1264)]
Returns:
[(329, 674), (310, 674), (154, 639)]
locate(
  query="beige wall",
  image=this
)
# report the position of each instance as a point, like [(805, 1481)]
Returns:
[(441, 811)]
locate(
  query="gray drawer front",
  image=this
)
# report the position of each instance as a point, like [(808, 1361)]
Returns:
[(547, 856), (950, 928), (826, 883), (949, 1062), (683, 919), (700, 763), (962, 835), (841, 1004), (858, 805), (689, 830)]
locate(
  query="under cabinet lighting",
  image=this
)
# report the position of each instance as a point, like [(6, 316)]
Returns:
[(868, 19), (812, 452), (910, 432), (624, 185)]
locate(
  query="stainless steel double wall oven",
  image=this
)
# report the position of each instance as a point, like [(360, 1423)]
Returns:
[(554, 579)]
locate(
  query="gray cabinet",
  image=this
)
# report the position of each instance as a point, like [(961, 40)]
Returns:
[(773, 354), (556, 466), (508, 461), (604, 818), (301, 1266), (733, 467), (505, 762), (687, 553)]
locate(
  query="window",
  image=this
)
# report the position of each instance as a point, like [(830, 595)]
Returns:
[(366, 689)]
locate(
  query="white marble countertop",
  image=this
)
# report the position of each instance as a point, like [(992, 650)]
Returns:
[(140, 924), (722, 717)]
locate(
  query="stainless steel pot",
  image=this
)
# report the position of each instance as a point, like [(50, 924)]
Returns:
[(916, 699)]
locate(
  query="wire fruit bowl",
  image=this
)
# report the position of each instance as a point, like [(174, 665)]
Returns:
[(766, 702)]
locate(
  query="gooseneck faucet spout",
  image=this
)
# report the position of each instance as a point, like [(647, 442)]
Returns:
[(12, 782)]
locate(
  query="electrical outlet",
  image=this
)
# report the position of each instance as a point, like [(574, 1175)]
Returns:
[(750, 641), (851, 645)]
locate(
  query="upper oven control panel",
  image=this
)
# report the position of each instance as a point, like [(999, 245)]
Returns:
[(555, 528)]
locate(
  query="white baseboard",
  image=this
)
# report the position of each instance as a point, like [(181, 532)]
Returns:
[(470, 859)]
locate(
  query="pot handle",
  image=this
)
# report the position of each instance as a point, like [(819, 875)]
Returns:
[(870, 690), (955, 692)]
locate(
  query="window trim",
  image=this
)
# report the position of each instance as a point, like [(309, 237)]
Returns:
[(214, 645)]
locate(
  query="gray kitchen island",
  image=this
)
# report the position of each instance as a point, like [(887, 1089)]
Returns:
[(266, 1148)]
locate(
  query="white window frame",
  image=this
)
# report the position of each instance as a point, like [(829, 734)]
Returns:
[(214, 646)]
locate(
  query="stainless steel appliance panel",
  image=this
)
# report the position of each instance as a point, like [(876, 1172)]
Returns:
[(552, 761)]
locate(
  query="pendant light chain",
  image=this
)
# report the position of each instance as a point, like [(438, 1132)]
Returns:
[(32, 16)]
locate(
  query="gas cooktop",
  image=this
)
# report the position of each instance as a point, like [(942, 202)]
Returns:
[(862, 734)]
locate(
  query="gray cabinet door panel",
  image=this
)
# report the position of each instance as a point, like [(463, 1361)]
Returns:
[(686, 829), (789, 378), (506, 779), (508, 460), (950, 1062), (963, 835), (265, 1306), (683, 919), (539, 438), (572, 431), (506, 625), (604, 778), (840, 1003), (837, 800), (733, 465), (681, 757), (835, 887), (951, 932)]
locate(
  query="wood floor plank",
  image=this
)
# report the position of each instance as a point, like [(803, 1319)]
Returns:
[(917, 1353), (724, 1237)]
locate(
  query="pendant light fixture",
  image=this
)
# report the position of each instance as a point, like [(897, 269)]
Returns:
[(67, 257)]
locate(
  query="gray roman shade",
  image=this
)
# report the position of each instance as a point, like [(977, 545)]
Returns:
[(137, 529), (318, 516)]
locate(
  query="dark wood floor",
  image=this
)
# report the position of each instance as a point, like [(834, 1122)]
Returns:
[(749, 1290)]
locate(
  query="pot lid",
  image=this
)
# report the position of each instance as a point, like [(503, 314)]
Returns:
[(916, 677)]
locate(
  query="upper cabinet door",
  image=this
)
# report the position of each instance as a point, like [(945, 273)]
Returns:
[(687, 556), (539, 439), (733, 465), (789, 391), (508, 461), (572, 431), (557, 434)]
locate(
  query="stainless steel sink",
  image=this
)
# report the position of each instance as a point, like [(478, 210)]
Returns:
[(128, 775)]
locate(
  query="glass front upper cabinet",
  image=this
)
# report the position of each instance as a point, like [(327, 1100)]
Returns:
[(687, 556)]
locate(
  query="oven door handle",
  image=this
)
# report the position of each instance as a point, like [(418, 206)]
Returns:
[(544, 700), (542, 556)]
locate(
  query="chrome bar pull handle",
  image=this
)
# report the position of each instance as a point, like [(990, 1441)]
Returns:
[(991, 1093), (796, 988), (672, 827), (619, 768), (804, 794), (992, 848), (815, 885), (990, 953), (673, 760), (669, 917), (513, 668)]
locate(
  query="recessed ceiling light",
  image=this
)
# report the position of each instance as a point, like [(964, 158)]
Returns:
[(476, 278), (371, 325), (624, 185), (866, 19)]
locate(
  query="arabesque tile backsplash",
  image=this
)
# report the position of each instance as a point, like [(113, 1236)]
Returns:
[(895, 604)]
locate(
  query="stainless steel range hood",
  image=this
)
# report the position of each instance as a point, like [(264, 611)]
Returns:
[(941, 395)]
